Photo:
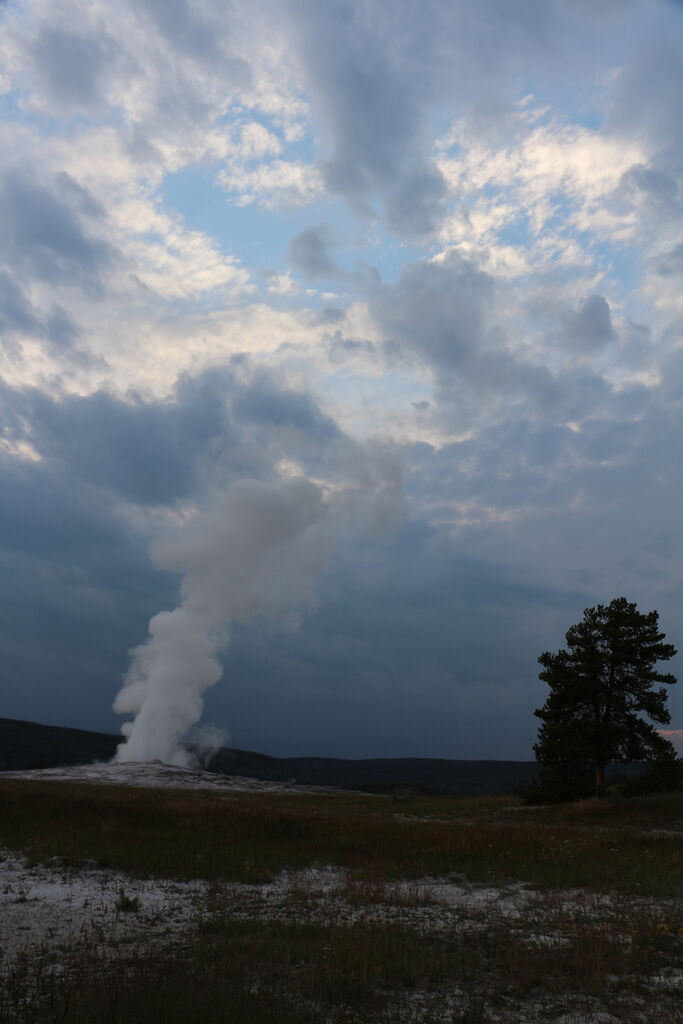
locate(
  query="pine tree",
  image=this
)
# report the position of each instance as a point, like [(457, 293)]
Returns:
[(599, 686)]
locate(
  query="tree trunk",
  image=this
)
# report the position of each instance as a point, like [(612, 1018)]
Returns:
[(600, 788)]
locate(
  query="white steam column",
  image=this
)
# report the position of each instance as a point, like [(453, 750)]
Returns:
[(258, 550)]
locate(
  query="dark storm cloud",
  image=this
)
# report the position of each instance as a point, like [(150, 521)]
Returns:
[(60, 328), (342, 349), (412, 635), (202, 35), (77, 588), (205, 39), (309, 252), (590, 325), (73, 68), (398, 653), (656, 184), (262, 401), (601, 488), (647, 98), (443, 313), (437, 310), (18, 317), (45, 234), (43, 510), (74, 591), (376, 72), (670, 263), (647, 108), (414, 638), (154, 452), (143, 451), (183, 27), (570, 495), (16, 312), (370, 101), (80, 589), (74, 584), (393, 662)]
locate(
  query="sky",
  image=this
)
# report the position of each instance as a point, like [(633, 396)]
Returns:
[(415, 267)]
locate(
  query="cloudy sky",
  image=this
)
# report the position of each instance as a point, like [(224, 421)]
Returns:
[(427, 256)]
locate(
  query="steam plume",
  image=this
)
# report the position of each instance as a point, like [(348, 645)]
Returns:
[(257, 550)]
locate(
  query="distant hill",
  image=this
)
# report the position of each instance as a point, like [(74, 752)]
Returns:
[(380, 774), (29, 745)]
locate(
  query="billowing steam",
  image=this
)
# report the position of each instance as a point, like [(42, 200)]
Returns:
[(258, 550)]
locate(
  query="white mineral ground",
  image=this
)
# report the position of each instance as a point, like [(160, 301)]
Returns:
[(47, 910), (156, 775)]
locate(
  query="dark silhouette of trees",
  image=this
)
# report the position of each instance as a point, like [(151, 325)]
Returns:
[(600, 684)]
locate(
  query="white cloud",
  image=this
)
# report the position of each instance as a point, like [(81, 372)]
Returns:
[(282, 284), (279, 183), (256, 141), (552, 180), (534, 435)]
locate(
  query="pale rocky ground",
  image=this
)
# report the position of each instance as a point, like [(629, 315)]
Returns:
[(46, 909), (156, 775)]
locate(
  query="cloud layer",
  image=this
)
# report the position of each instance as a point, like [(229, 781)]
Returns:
[(426, 257)]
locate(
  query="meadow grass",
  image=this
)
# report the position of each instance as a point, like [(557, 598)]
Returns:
[(252, 971), (252, 837), (375, 947)]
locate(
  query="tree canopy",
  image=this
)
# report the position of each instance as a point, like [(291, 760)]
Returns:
[(600, 685)]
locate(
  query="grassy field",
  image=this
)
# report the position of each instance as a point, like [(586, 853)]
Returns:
[(582, 911), (630, 845)]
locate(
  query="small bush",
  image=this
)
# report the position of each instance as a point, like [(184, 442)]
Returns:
[(550, 789), (127, 904), (661, 776)]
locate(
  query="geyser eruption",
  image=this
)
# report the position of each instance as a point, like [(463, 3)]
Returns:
[(257, 550)]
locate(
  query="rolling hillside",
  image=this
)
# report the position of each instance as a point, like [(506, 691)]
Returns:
[(30, 745)]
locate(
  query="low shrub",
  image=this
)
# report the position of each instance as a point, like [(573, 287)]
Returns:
[(661, 776)]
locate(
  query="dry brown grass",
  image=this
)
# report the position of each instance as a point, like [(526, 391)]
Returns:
[(375, 941), (251, 837)]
